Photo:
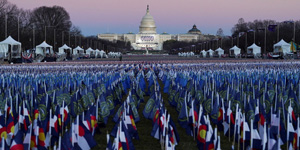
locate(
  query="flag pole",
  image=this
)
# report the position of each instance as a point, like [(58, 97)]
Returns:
[(269, 127), (278, 133), (3, 145), (236, 116), (244, 133), (239, 135), (107, 137), (229, 122), (287, 137), (298, 132), (194, 123), (50, 127), (219, 142), (251, 130)]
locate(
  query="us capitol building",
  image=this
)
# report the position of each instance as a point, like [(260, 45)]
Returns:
[(147, 38)]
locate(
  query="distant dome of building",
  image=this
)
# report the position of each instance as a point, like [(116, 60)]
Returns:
[(194, 30), (147, 23)]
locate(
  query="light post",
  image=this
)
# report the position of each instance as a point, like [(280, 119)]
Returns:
[(200, 48), (33, 38), (19, 28), (265, 45), (294, 31), (237, 40), (54, 43), (5, 25), (80, 40), (246, 42), (251, 30), (193, 48), (63, 37), (46, 31), (278, 32), (75, 40), (292, 21)]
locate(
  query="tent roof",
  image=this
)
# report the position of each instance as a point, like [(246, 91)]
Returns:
[(89, 49), (97, 50), (282, 43), (78, 48), (210, 50), (9, 40), (253, 46), (65, 47), (44, 44), (219, 49), (234, 48)]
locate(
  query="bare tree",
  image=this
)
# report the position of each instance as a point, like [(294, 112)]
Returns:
[(52, 20), (220, 32)]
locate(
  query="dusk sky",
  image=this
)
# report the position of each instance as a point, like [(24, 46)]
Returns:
[(171, 16)]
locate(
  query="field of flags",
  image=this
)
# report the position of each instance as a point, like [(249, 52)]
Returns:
[(64, 105)]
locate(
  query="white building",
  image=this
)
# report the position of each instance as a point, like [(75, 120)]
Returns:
[(147, 38)]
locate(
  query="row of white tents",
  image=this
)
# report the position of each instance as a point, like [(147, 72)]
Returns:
[(235, 51), (11, 49), (186, 54), (281, 48)]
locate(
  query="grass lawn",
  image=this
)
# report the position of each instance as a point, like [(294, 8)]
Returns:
[(144, 127)]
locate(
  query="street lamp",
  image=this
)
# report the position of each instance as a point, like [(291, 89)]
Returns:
[(33, 38), (46, 32), (63, 37), (193, 47), (19, 28), (5, 25)]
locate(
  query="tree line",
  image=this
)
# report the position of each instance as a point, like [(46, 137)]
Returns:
[(50, 24)]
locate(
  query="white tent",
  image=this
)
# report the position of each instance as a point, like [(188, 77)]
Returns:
[(102, 53), (15, 46), (62, 49), (210, 52), (283, 47), (234, 51), (254, 49), (89, 51), (203, 52), (98, 53), (219, 51), (78, 50), (43, 49)]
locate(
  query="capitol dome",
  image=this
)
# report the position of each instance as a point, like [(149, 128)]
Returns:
[(148, 24), (194, 30)]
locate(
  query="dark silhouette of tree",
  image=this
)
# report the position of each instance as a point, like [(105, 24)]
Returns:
[(220, 32), (54, 19)]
